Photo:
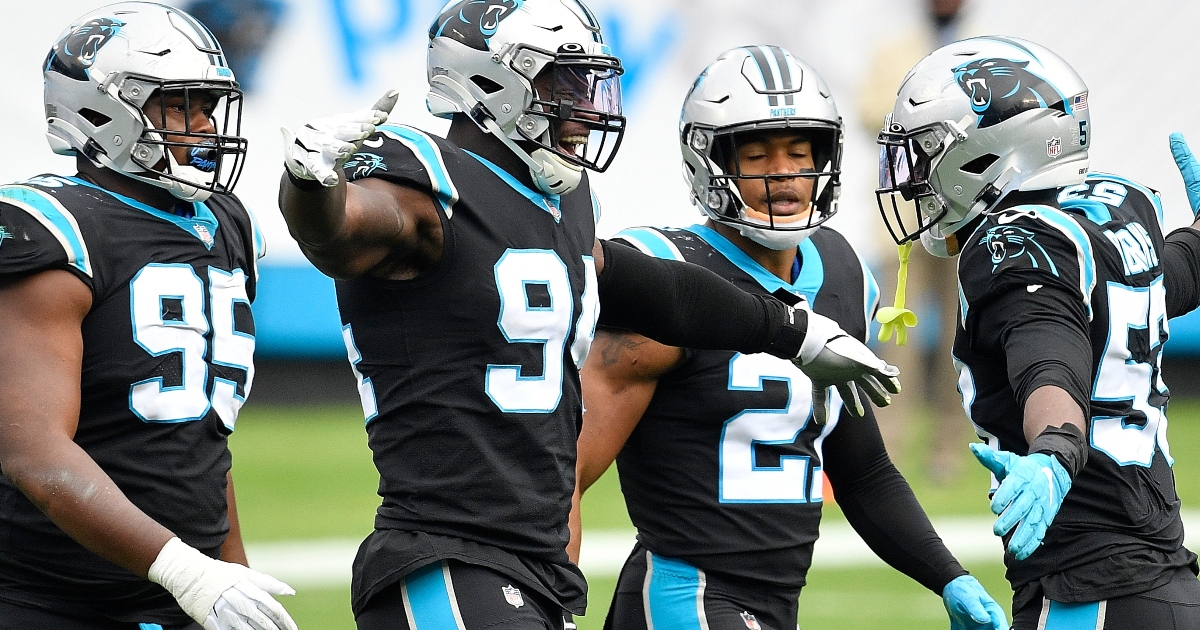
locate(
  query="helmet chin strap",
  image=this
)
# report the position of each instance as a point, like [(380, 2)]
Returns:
[(779, 240), (551, 174)]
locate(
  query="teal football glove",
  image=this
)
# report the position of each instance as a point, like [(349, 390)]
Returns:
[(1031, 490), (970, 607), (1189, 168)]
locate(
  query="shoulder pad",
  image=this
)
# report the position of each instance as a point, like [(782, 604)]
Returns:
[(1102, 194), (650, 241), (36, 206), (1027, 246), (406, 155)]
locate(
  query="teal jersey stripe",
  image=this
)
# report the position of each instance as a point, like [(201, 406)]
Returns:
[(549, 203), (1095, 211), (1087, 262), (1154, 197), (675, 594), (595, 206), (428, 598), (1073, 616), (812, 272), (430, 156), (201, 215), (651, 242), (55, 218)]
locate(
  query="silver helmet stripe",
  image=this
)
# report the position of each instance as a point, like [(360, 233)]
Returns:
[(768, 73), (785, 74)]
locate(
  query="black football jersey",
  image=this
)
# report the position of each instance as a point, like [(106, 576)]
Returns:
[(1119, 529), (469, 374), (168, 348), (724, 469)]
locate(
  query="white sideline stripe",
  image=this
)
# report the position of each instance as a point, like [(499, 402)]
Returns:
[(325, 563)]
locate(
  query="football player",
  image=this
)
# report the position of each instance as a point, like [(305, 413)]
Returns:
[(1066, 285), (128, 340), (720, 455), (470, 283)]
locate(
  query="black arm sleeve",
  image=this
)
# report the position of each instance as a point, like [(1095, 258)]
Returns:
[(1044, 336), (685, 305), (880, 505), (1181, 271)]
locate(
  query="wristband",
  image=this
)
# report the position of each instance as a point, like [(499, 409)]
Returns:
[(1066, 444)]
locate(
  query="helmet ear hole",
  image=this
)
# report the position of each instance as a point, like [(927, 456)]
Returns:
[(979, 164), (96, 118), (488, 86)]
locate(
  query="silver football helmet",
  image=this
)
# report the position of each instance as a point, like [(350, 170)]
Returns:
[(110, 63), (745, 92), (974, 121), (532, 71)]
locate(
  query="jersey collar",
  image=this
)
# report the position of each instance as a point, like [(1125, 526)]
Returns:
[(549, 203), (203, 224), (807, 283)]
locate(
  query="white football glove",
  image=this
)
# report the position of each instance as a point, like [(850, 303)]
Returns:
[(832, 358), (317, 150), (220, 595)]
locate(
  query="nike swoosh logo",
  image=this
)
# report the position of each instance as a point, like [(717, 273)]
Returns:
[(374, 144), (1033, 288), (1013, 215)]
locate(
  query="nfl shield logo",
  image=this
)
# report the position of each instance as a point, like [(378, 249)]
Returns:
[(512, 595), (751, 621), (204, 234), (1054, 147)]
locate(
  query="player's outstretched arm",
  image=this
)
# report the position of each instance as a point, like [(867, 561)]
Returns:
[(619, 379), (349, 230), (41, 357), (688, 306), (1181, 254), (881, 507)]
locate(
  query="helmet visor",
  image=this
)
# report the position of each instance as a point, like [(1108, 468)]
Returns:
[(581, 96), (905, 163)]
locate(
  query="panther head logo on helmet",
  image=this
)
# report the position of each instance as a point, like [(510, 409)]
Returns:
[(472, 22), (73, 54), (1002, 88)]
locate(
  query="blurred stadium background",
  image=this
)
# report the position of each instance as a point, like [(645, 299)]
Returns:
[(305, 480)]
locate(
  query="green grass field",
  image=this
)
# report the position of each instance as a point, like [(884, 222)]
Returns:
[(306, 472)]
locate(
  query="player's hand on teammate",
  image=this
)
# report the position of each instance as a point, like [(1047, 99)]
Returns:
[(970, 607), (318, 149), (1189, 168), (1031, 490), (220, 595), (832, 358)]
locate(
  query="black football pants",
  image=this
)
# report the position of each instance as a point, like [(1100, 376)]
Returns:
[(1172, 606), (452, 595)]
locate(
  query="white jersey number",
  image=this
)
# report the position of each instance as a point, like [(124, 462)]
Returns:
[(536, 307), (168, 312), (1122, 377), (743, 480)]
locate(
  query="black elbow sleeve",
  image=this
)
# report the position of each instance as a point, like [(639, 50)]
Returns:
[(685, 305)]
